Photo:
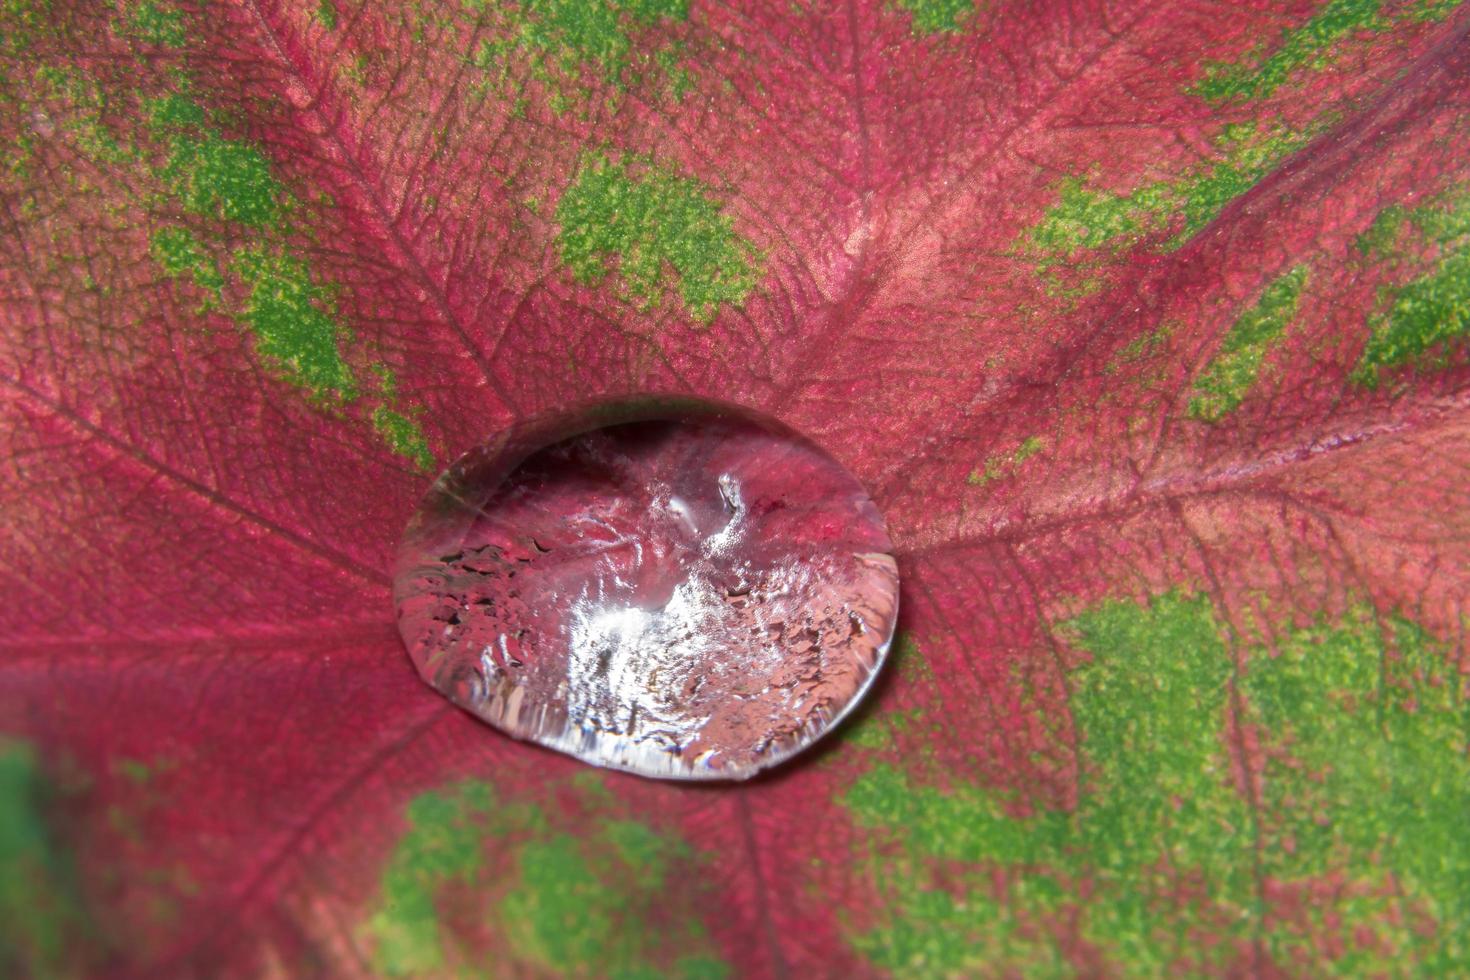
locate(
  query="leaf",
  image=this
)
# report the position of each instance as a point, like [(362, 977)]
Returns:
[(1146, 326)]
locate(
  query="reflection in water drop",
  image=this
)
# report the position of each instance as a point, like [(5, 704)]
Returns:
[(693, 599)]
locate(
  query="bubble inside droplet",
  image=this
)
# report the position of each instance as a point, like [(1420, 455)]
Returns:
[(681, 592)]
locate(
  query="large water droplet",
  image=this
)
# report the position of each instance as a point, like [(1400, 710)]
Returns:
[(694, 597)]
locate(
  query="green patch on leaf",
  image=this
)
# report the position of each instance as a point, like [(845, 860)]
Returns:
[(1311, 46), (1006, 464), (444, 843), (264, 287), (1370, 782), (873, 728), (598, 905), (1229, 375), (223, 178), (657, 230), (575, 31), (1307, 46), (22, 22), (1382, 236), (563, 916), (640, 848), (1084, 219), (172, 112), (878, 731), (936, 16), (934, 931), (403, 435), (558, 37), (157, 24), (75, 103), (869, 733), (581, 910), (909, 660), (697, 968), (289, 315), (1428, 317), (1367, 782), (326, 14), (135, 771), (179, 253), (40, 916), (1446, 220), (1432, 11)]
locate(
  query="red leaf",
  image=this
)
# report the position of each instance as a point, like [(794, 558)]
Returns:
[(1145, 326)]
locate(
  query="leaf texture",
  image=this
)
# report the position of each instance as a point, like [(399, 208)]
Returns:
[(1145, 324)]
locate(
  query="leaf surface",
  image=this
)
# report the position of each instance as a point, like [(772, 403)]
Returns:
[(1144, 324)]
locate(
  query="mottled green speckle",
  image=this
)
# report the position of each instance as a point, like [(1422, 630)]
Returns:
[(1381, 237), (22, 22), (158, 24), (933, 931), (873, 727), (40, 917), (1002, 465), (1366, 789), (403, 435), (595, 904), (1029, 447), (1155, 793), (574, 31), (934, 16), (444, 843), (1084, 219), (701, 968), (1430, 11), (78, 104), (1308, 45), (1428, 316), (680, 79), (326, 14), (1089, 219), (233, 244), (868, 733), (1444, 220), (224, 178), (288, 312), (288, 308), (658, 230), (559, 37), (1142, 349), (640, 848), (583, 910), (173, 111), (562, 916), (179, 253), (1250, 153), (1369, 779), (1230, 374)]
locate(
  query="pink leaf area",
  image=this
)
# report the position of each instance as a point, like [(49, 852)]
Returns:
[(1144, 325)]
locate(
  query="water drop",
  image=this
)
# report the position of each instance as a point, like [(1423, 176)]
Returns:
[(674, 590)]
